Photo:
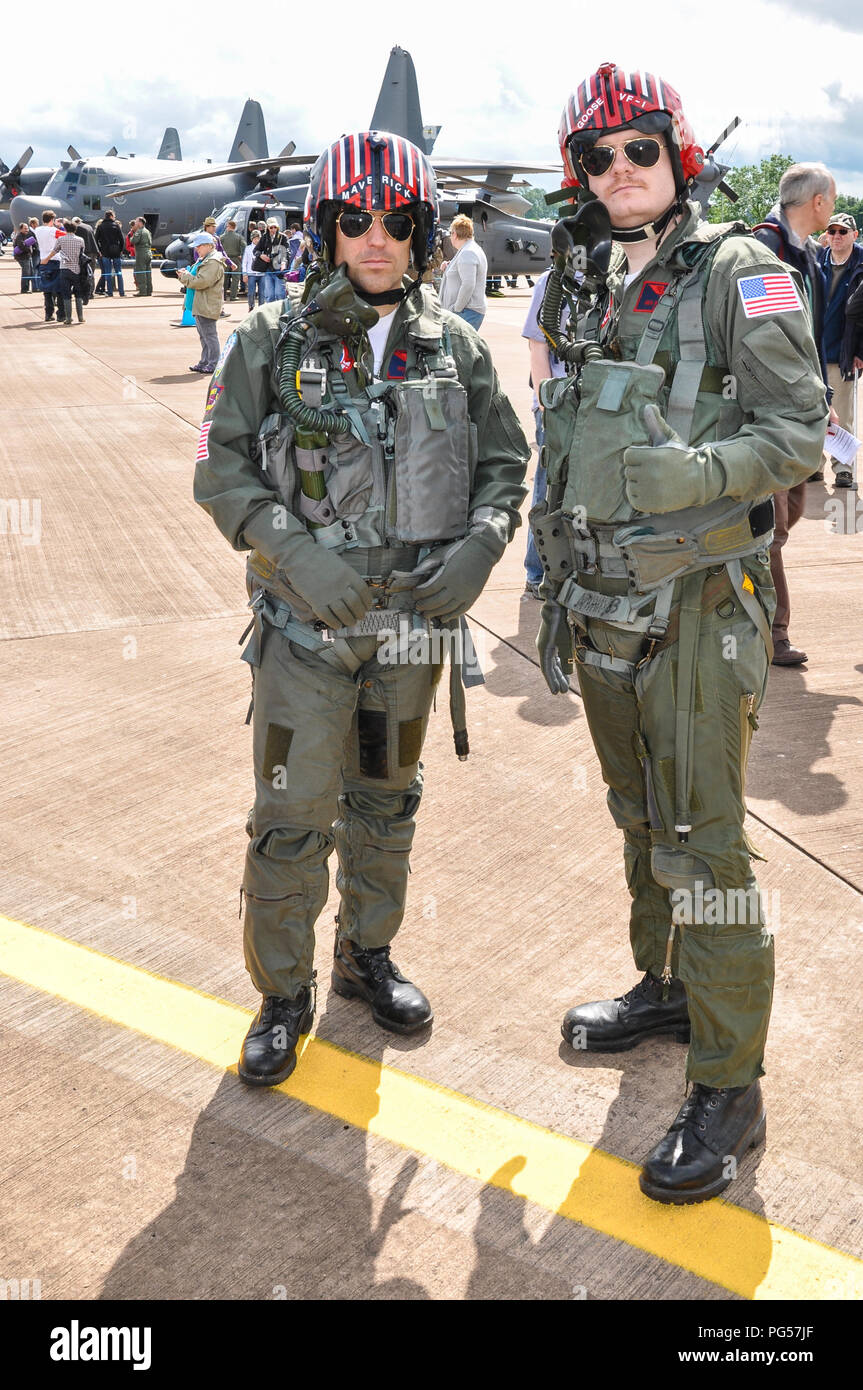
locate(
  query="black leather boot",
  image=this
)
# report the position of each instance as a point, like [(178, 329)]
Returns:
[(698, 1157), (269, 1052), (616, 1025), (396, 1004)]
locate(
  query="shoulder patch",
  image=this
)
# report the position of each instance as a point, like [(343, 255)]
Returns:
[(225, 353), (768, 294)]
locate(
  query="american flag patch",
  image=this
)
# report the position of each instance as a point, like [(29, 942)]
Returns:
[(768, 294), (202, 442)]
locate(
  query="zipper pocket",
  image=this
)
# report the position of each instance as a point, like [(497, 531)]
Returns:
[(748, 725)]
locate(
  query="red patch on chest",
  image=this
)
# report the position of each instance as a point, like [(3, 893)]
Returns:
[(650, 295)]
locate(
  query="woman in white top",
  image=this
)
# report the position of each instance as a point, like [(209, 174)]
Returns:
[(253, 287)]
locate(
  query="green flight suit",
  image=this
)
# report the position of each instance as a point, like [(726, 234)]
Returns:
[(143, 244), (337, 736), (233, 245), (762, 396)]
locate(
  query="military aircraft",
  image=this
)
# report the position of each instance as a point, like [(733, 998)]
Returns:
[(79, 186), (274, 186)]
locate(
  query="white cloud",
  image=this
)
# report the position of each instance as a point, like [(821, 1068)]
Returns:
[(496, 87)]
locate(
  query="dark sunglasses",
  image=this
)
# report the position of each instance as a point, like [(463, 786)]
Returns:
[(838, 231), (397, 225), (597, 160)]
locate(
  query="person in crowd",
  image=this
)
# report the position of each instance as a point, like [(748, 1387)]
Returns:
[(68, 250), (543, 363), (841, 260), (109, 240), (86, 234), (233, 246), (295, 245), (24, 246), (462, 287), (49, 268), (252, 277), (807, 193), (207, 279), (142, 244), (272, 262)]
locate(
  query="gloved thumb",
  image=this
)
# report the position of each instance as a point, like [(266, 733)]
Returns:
[(659, 432), (400, 581)]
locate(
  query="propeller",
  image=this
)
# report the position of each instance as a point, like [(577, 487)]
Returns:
[(109, 154), (270, 174), (73, 153), (9, 177)]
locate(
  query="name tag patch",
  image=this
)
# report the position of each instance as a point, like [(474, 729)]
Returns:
[(651, 293), (398, 365)]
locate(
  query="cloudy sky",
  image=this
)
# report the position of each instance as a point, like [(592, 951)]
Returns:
[(496, 86)]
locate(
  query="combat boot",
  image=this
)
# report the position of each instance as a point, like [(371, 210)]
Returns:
[(616, 1025), (698, 1157), (269, 1052), (396, 1003)]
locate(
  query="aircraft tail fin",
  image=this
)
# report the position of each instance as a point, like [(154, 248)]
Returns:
[(252, 132), (170, 146), (398, 105)]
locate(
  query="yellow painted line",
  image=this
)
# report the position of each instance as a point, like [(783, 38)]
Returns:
[(717, 1241)]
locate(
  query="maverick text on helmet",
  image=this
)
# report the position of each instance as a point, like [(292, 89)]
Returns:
[(612, 99), (372, 170)]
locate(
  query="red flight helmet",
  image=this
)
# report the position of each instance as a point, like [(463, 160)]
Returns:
[(613, 99), (374, 171)]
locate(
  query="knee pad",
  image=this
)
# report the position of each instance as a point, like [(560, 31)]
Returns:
[(687, 878)]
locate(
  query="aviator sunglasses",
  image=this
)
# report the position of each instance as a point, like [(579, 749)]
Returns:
[(838, 231), (397, 225), (598, 159)]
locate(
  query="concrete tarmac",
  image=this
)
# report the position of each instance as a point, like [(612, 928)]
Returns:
[(136, 1164)]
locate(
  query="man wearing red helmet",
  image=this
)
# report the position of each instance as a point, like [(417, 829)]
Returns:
[(694, 394), (360, 447)]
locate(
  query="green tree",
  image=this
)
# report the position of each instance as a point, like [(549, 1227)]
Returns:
[(538, 209), (757, 188)]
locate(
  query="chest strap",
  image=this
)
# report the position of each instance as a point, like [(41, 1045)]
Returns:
[(684, 295)]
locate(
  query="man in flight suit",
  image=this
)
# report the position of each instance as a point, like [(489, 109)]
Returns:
[(700, 396), (361, 448)]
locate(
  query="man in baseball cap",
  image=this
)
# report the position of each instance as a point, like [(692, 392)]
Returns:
[(841, 261)]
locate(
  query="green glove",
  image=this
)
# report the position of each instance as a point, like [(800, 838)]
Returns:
[(667, 475), (335, 593), (554, 644), (458, 582)]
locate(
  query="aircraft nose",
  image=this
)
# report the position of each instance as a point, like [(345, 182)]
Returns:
[(22, 208)]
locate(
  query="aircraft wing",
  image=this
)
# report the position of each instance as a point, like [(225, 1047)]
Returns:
[(212, 171), (492, 168)]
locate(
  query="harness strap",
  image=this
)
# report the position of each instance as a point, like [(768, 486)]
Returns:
[(693, 358), (750, 604), (684, 726)]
